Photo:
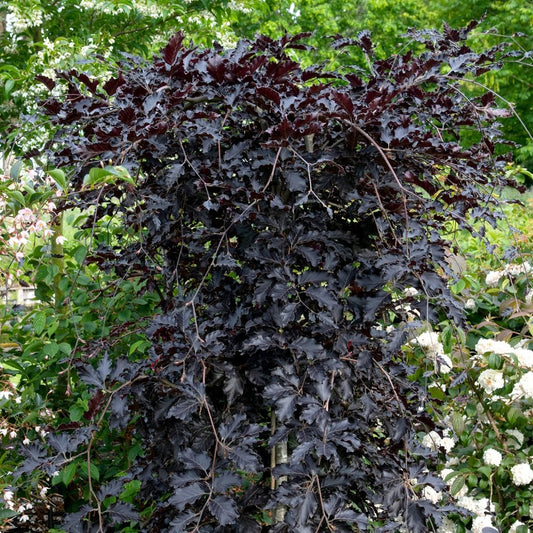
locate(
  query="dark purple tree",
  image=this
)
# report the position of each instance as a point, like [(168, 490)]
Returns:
[(278, 209)]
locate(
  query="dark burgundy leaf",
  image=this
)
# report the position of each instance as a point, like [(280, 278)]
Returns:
[(187, 495), (50, 83), (270, 94), (170, 52), (224, 510)]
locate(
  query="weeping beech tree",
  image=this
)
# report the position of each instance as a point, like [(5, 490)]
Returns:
[(282, 212)]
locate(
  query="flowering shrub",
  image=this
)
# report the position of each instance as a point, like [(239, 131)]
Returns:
[(485, 439)]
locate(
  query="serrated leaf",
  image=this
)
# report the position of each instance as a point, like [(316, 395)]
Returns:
[(310, 347), (306, 508), (69, 472), (122, 512), (196, 460), (180, 523), (226, 481), (185, 495), (224, 510), (39, 322), (244, 458)]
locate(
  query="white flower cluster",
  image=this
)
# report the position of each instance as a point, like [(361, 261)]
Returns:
[(18, 21), (434, 441), (429, 493), (524, 387), (524, 356), (430, 343), (492, 457), (481, 523), (447, 526), (10, 503), (491, 380), (493, 277), (482, 508), (522, 474)]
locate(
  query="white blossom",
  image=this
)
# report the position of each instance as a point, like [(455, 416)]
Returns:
[(428, 340), (445, 363), (429, 493), (5, 394), (515, 270), (524, 357), (491, 380), (478, 507), (410, 291), (492, 457), (524, 387), (491, 346), (522, 474), (8, 495), (481, 522), (447, 443), (447, 526), (470, 304), (444, 473), (432, 440), (517, 435), (493, 277)]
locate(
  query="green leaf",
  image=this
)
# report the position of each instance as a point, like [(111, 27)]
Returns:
[(59, 177), (77, 410), (17, 196), (447, 338), (458, 423), (8, 87), (51, 349), (457, 485), (139, 345), (513, 414), (39, 322), (80, 253), (459, 286), (65, 348), (95, 473), (69, 472), (14, 172), (7, 513), (121, 173), (485, 470), (495, 361), (131, 490)]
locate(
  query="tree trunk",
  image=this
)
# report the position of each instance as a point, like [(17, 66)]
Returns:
[(278, 455)]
